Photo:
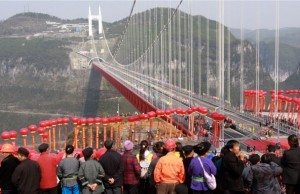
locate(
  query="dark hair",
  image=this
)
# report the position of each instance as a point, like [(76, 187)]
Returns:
[(158, 147), (231, 143), (254, 159), (187, 149), (87, 153), (271, 148), (143, 147), (266, 158), (293, 141), (69, 149), (202, 148), (215, 159), (179, 149), (165, 152), (108, 144)]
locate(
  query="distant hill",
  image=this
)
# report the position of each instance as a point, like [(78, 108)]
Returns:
[(289, 36), (292, 82), (289, 58), (26, 23), (289, 52)]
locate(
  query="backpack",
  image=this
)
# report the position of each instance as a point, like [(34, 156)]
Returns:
[(144, 167), (209, 178)]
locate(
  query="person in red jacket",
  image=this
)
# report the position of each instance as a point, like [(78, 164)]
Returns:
[(48, 164)]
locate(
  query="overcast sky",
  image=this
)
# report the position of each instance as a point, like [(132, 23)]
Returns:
[(255, 14)]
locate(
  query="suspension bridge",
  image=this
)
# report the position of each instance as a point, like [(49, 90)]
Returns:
[(177, 66)]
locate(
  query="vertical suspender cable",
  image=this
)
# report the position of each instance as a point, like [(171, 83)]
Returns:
[(199, 55), (170, 52), (217, 51), (185, 36), (175, 61), (242, 63), (207, 57), (191, 56), (276, 68), (179, 50), (257, 61), (228, 64)]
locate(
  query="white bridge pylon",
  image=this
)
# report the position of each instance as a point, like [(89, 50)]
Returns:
[(95, 17)]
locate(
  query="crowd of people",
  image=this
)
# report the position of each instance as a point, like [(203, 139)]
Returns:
[(169, 168)]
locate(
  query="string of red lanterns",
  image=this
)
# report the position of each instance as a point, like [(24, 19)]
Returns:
[(48, 130)]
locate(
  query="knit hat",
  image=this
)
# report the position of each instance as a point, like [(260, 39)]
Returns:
[(128, 145)]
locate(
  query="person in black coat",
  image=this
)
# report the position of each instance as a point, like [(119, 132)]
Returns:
[(112, 164), (8, 166), (185, 188), (271, 151), (291, 166), (232, 168), (27, 175)]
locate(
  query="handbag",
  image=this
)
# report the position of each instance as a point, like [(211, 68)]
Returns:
[(210, 179)]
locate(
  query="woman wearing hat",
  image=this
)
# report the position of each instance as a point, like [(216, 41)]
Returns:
[(8, 165), (132, 170), (198, 184)]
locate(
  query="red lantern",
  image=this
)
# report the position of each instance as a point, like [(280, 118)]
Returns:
[(97, 120), (42, 124), (66, 120), (75, 120), (214, 115), (152, 114), (105, 121), (13, 134), (160, 113), (131, 119), (59, 121), (119, 119), (32, 128), (53, 122), (172, 110), (136, 118), (111, 119), (24, 132), (168, 112), (146, 116), (90, 121), (47, 123), (203, 110), (189, 111), (194, 108), (220, 117), (83, 121), (178, 111), (5, 135), (41, 130), (45, 135)]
